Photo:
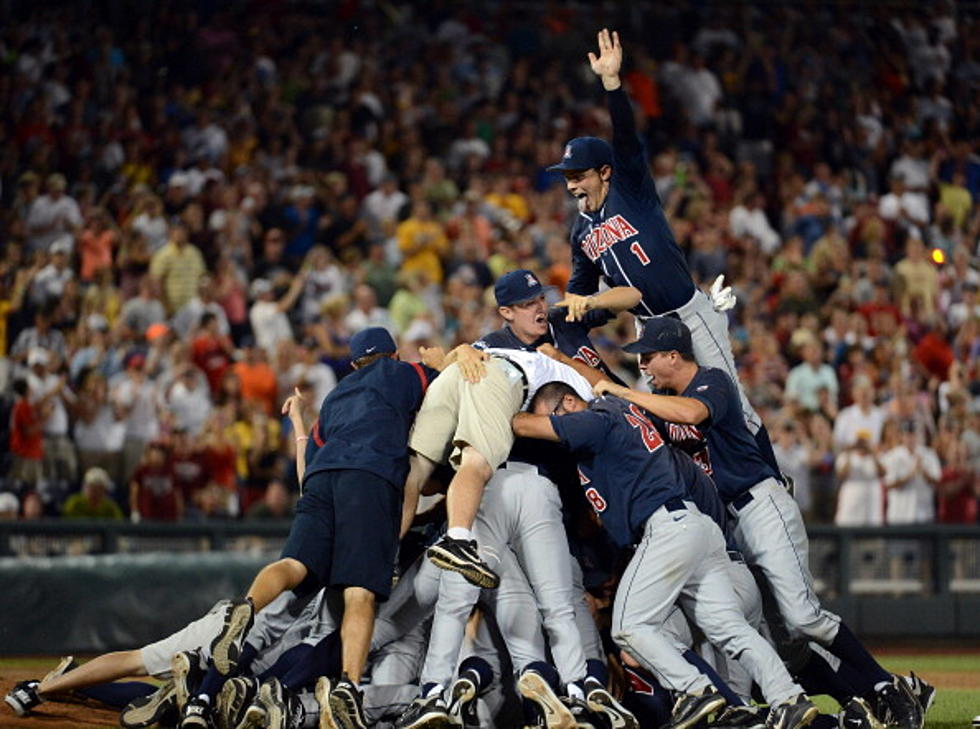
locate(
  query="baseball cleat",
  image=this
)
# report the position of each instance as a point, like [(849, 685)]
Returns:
[(186, 673), (197, 714), (24, 697), (462, 700), (460, 555), (533, 686), (280, 705), (898, 706), (322, 693), (689, 709), (604, 703), (741, 717), (346, 703), (923, 691), (227, 645), (429, 712), (160, 707), (857, 714), (234, 699), (794, 714), (255, 716)]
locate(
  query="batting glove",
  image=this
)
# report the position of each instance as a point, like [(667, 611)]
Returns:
[(722, 297)]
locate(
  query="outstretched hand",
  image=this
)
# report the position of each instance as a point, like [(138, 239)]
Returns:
[(577, 306), (610, 58)]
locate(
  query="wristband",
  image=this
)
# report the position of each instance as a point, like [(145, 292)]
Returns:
[(302, 437)]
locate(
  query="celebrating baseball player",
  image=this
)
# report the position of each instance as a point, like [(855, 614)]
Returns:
[(622, 236), (701, 408)]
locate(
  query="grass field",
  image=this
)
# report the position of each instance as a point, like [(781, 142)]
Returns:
[(956, 675)]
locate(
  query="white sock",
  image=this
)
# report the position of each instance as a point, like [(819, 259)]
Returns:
[(882, 684), (205, 698), (575, 692), (459, 533)]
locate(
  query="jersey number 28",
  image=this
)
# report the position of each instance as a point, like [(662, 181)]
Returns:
[(648, 432)]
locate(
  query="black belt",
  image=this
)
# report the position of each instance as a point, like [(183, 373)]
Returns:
[(735, 556), (520, 371), (675, 505), (739, 502)]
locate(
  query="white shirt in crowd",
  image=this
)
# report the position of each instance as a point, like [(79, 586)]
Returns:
[(153, 230), (912, 502), (56, 423), (852, 419), (49, 219), (105, 434), (191, 406), (141, 400), (269, 325), (859, 498), (753, 223), (319, 375)]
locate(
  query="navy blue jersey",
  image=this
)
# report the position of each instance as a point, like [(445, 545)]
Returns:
[(721, 444), (365, 420), (628, 242), (625, 467)]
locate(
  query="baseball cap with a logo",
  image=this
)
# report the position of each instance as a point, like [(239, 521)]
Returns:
[(584, 153), (517, 286), (662, 334), (373, 340)]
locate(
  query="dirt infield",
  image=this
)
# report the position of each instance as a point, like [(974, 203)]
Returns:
[(50, 715)]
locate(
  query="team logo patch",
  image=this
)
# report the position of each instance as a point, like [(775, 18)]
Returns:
[(568, 152), (531, 281)]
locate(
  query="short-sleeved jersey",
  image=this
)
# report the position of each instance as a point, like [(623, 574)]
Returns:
[(625, 467), (628, 241), (722, 444), (364, 422)]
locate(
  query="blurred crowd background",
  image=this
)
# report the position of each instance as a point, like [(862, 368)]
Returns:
[(202, 202)]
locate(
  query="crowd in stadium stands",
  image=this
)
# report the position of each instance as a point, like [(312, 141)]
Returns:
[(201, 203)]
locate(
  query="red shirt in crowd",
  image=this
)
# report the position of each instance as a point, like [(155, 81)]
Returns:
[(25, 432), (157, 499)]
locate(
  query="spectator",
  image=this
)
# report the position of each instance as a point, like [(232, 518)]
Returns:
[(422, 242), (188, 400), (860, 499), (366, 312), (257, 378), (308, 372), (52, 215), (40, 336), (177, 266), (912, 471), (96, 245), (795, 456), (275, 504), (149, 223), (142, 311), (807, 379), (861, 416), (9, 506), (53, 397), (189, 316), (93, 502), (134, 396), (917, 280), (26, 437), (153, 495), (211, 353), (99, 429), (48, 285), (270, 325)]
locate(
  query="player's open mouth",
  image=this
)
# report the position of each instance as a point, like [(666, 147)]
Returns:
[(583, 201), (540, 319)]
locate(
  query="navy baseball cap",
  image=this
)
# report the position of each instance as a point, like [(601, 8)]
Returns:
[(517, 286), (373, 340), (584, 153), (662, 334)]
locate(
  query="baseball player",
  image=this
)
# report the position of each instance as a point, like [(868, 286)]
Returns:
[(622, 236), (347, 522), (638, 486), (702, 410)]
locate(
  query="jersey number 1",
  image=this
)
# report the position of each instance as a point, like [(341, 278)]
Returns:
[(648, 432), (637, 250)]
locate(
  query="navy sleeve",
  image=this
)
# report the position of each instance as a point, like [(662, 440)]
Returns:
[(597, 318), (629, 157), (585, 274), (714, 390), (581, 431)]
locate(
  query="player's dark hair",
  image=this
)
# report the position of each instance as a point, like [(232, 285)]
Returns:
[(368, 359), (551, 393), (687, 357)]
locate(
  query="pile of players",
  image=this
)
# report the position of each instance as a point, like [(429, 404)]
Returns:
[(488, 623)]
